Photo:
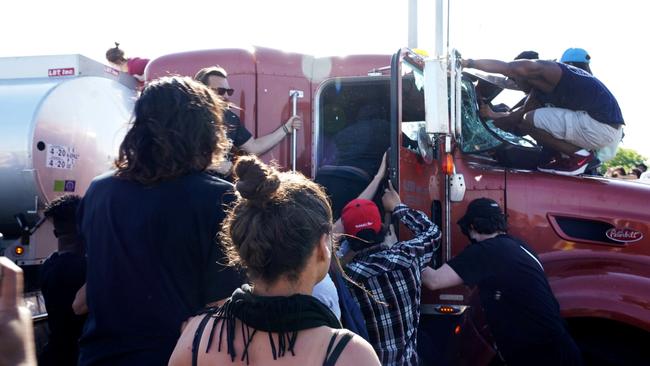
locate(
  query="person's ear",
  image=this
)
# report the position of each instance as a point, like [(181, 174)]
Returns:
[(471, 231), (324, 247)]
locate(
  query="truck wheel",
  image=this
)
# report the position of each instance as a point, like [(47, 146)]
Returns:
[(610, 343)]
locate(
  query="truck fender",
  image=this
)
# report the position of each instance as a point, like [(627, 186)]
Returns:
[(609, 285)]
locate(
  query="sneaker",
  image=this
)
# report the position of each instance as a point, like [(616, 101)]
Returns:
[(593, 168), (572, 165), (547, 156)]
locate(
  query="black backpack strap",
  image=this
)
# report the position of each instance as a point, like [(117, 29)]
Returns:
[(197, 337), (331, 358)]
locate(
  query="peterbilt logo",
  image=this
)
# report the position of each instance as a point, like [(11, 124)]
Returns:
[(624, 235)]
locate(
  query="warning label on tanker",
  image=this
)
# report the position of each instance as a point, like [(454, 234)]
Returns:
[(61, 157)]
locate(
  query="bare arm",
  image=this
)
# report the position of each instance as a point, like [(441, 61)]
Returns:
[(371, 189), (443, 277), (80, 305), (369, 192), (514, 69), (486, 112), (543, 75), (263, 144), (16, 332)]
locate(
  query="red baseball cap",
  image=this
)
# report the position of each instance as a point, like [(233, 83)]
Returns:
[(360, 214)]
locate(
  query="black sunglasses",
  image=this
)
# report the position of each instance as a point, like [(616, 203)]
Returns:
[(222, 91)]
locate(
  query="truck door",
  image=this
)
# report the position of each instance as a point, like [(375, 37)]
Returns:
[(413, 172), (424, 168)]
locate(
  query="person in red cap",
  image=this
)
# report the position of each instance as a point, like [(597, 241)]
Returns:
[(390, 274), (520, 308)]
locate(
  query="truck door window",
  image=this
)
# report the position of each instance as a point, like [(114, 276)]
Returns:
[(349, 107), (412, 105)]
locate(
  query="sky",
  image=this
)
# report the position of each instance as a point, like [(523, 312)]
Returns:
[(614, 33)]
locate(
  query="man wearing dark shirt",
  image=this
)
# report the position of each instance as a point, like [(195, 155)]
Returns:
[(62, 274), (151, 228), (216, 78), (521, 310), (568, 111)]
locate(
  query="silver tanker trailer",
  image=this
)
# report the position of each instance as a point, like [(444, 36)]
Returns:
[(61, 121)]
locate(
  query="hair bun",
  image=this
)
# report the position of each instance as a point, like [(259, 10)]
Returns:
[(255, 180)]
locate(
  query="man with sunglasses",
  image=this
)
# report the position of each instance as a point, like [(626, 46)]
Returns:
[(62, 275), (216, 78)]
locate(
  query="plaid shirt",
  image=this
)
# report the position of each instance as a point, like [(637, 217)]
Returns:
[(392, 275)]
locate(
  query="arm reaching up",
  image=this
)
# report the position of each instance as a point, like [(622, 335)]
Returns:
[(370, 190)]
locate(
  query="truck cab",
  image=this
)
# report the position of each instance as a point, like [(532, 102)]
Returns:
[(591, 233)]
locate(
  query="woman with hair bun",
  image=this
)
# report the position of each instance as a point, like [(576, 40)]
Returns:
[(279, 230)]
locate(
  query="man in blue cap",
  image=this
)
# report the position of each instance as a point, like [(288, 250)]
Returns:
[(577, 57), (568, 111)]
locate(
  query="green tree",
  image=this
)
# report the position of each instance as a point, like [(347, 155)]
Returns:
[(626, 158)]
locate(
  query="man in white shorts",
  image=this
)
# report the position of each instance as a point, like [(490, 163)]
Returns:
[(568, 111)]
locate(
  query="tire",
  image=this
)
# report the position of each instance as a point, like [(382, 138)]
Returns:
[(609, 343)]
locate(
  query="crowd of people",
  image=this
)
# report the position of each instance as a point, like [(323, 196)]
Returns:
[(180, 257), (638, 173)]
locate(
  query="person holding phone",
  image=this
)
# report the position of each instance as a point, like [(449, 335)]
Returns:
[(391, 271)]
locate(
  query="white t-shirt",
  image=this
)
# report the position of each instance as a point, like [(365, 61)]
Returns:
[(645, 175), (325, 291)]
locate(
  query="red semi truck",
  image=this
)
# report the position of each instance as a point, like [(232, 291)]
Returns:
[(592, 233)]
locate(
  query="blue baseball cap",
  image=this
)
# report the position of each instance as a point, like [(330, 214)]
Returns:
[(575, 55)]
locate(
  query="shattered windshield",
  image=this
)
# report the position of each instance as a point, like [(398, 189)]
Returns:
[(475, 137), (479, 136)]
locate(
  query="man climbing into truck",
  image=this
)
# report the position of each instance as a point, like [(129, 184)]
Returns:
[(568, 111)]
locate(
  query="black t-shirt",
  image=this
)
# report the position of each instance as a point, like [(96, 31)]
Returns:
[(235, 130), (153, 261), (520, 308), (62, 275)]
